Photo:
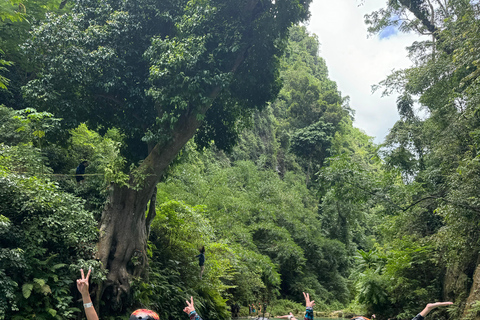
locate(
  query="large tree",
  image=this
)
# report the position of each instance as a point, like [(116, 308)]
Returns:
[(159, 71)]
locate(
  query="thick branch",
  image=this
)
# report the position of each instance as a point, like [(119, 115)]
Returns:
[(164, 153), (420, 15), (428, 24), (418, 201), (411, 205)]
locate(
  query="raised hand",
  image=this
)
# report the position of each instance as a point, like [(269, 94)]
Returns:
[(189, 308), (308, 303), (82, 284)]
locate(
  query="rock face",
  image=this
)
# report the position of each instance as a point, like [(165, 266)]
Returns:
[(455, 283), (472, 307)]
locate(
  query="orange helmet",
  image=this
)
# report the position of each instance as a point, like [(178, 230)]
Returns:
[(144, 314)]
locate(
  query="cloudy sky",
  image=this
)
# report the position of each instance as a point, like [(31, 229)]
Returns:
[(356, 61)]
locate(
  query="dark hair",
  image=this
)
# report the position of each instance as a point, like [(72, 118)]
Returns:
[(84, 162), (202, 249)]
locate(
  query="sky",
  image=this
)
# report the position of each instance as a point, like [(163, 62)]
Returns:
[(356, 61)]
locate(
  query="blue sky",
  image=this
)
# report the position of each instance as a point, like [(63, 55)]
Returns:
[(356, 61), (388, 32)]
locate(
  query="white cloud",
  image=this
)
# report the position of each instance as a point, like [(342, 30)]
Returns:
[(357, 62)]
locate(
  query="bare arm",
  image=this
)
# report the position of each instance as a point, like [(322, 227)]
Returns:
[(82, 286), (282, 316), (309, 305), (432, 306)]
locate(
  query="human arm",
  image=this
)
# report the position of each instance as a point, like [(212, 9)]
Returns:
[(190, 310), (309, 305), (280, 317), (429, 308), (82, 286)]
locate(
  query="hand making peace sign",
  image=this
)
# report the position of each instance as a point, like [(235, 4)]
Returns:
[(82, 284), (189, 308), (308, 303)]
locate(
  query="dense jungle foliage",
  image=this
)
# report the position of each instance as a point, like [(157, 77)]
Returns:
[(286, 195)]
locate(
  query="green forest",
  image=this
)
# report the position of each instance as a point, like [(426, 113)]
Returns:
[(214, 123)]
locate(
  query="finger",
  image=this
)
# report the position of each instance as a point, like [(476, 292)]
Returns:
[(83, 275), (88, 274), (191, 299), (305, 296)]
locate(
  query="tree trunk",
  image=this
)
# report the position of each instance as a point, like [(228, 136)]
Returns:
[(123, 226), (122, 243)]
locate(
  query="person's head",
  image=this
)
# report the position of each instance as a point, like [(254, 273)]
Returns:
[(85, 163), (144, 314), (202, 249)]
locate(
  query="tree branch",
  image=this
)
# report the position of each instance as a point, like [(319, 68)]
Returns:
[(62, 4), (418, 201), (423, 18), (442, 6), (420, 15), (374, 194)]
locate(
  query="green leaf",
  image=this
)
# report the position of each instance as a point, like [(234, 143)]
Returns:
[(27, 290), (52, 312), (58, 266), (40, 282)]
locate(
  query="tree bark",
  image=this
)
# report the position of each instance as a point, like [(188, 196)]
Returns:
[(122, 243), (123, 226)]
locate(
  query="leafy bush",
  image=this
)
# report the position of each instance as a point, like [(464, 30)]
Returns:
[(283, 306), (44, 231)]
